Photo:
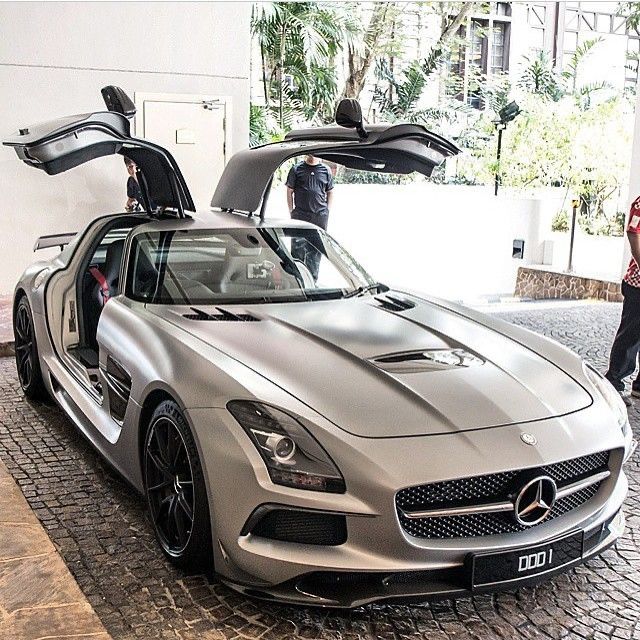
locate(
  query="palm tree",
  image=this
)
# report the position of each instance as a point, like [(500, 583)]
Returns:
[(298, 44)]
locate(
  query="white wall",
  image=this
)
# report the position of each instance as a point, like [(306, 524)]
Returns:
[(451, 241), (54, 59)]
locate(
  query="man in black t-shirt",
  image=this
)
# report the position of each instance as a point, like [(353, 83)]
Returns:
[(309, 195)]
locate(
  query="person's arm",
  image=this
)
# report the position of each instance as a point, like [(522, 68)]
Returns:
[(290, 199), (329, 188), (634, 243), (291, 185)]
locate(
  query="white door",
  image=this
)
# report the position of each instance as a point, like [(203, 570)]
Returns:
[(194, 128)]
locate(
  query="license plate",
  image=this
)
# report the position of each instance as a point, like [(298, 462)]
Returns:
[(518, 564)]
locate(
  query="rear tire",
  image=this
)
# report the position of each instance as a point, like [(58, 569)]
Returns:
[(175, 490), (26, 348)]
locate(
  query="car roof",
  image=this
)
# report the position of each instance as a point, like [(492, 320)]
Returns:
[(216, 220)]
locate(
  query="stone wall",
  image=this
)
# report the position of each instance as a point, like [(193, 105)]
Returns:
[(538, 284)]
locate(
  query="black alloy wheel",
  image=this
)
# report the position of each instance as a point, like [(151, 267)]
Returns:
[(27, 362), (175, 489)]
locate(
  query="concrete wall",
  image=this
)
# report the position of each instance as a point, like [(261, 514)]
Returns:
[(451, 241), (54, 59)]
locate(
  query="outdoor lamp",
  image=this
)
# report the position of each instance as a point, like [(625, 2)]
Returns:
[(505, 115)]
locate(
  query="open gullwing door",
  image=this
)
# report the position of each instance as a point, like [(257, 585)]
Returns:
[(62, 144), (388, 148)]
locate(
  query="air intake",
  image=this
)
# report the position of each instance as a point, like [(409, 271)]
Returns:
[(222, 316), (392, 303), (301, 526), (427, 360)]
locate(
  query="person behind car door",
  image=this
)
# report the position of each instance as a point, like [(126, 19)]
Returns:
[(309, 195), (134, 195), (624, 352)]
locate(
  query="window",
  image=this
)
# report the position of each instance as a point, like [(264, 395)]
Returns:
[(498, 48), (483, 50), (240, 266)]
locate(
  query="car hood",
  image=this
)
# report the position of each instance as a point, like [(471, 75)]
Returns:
[(361, 364)]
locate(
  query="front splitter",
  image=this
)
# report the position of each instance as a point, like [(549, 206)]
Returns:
[(347, 590)]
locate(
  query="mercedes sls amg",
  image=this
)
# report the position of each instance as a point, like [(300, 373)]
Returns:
[(316, 437)]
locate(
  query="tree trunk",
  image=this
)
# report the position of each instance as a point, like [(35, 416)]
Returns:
[(451, 28), (359, 65)]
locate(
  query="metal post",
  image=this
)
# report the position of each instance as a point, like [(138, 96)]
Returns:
[(500, 128), (574, 205)]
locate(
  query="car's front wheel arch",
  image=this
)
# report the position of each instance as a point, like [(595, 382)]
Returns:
[(159, 403)]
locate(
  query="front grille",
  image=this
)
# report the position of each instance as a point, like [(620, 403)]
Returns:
[(491, 488), (304, 527)]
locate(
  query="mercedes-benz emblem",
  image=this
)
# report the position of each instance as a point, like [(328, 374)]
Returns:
[(528, 438), (535, 501)]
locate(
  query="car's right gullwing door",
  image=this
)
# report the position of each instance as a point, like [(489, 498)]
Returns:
[(389, 148)]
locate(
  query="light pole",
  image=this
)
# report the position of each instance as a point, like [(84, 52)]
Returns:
[(505, 115), (575, 203)]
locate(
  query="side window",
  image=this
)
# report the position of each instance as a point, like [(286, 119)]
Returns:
[(107, 258), (100, 254)]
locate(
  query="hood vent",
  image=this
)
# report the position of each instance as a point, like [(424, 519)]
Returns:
[(428, 360), (222, 316), (391, 303)]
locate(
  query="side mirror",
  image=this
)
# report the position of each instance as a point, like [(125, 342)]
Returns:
[(117, 100), (349, 114)]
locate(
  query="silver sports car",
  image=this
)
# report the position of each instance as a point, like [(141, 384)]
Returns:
[(312, 434)]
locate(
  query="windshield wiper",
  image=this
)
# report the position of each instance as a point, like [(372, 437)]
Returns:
[(327, 294), (378, 287)]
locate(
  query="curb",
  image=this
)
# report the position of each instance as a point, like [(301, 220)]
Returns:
[(38, 595)]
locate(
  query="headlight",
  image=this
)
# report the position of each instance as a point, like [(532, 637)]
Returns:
[(609, 394), (293, 457)]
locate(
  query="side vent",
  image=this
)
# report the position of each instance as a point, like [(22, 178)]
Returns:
[(222, 316), (119, 388), (392, 303)]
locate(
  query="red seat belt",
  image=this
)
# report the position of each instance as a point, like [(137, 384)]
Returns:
[(102, 281)]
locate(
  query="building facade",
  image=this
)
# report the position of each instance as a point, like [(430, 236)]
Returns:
[(54, 59)]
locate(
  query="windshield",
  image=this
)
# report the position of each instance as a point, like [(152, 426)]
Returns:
[(194, 267)]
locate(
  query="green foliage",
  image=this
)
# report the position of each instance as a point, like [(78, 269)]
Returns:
[(631, 11), (299, 42), (586, 151), (560, 221), (353, 176), (262, 126), (540, 78)]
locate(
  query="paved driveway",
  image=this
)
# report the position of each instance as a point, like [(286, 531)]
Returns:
[(100, 528)]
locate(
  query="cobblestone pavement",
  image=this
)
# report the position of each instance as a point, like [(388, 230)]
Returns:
[(99, 526)]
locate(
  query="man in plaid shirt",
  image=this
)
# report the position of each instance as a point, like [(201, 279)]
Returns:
[(624, 352)]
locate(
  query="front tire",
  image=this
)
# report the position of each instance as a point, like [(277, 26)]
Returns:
[(175, 490), (26, 348)]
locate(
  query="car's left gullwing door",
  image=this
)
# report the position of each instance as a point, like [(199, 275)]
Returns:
[(62, 144)]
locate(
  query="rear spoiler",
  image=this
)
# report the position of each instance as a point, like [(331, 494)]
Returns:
[(54, 240)]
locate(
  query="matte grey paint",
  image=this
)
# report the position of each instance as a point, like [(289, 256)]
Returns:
[(360, 414)]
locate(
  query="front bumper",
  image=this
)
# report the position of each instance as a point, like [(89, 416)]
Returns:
[(348, 589), (380, 561)]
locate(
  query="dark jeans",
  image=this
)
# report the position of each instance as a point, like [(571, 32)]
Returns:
[(306, 249), (624, 352)]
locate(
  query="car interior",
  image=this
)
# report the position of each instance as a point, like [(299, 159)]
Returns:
[(98, 281), (197, 270)]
